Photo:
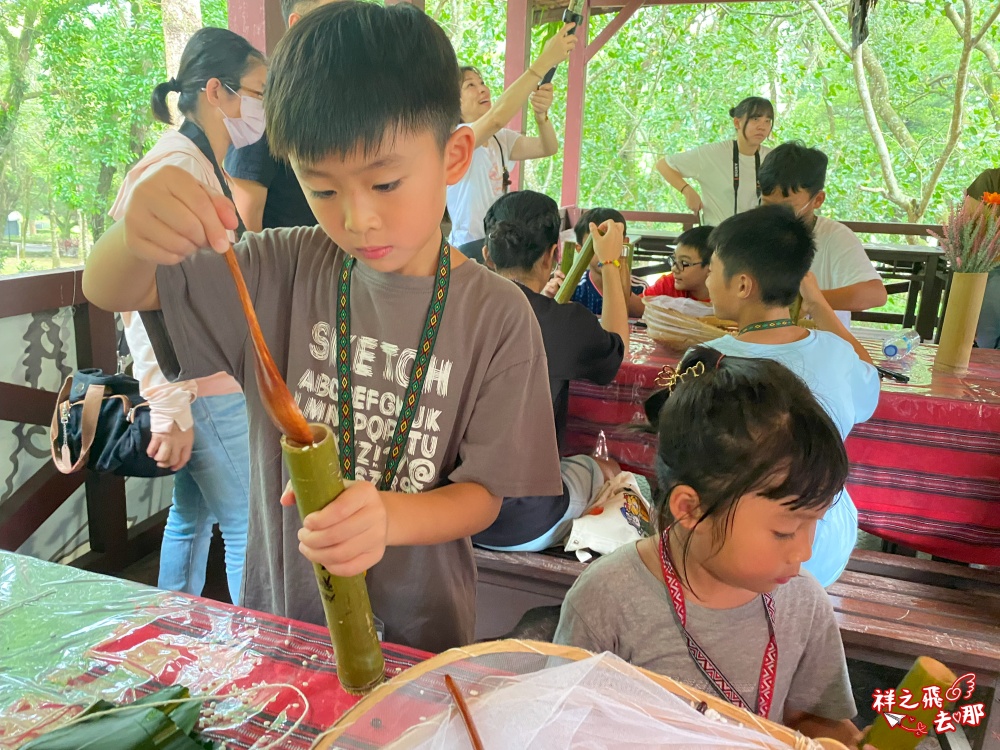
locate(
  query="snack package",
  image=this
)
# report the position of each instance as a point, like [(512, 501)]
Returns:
[(619, 514)]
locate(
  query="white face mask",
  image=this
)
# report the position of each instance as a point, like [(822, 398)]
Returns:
[(249, 126)]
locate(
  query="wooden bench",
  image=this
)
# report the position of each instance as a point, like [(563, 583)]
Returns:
[(890, 609)]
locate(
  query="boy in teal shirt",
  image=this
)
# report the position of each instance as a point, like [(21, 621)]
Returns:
[(374, 162), (760, 263)]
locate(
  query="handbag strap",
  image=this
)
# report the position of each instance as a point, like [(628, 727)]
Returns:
[(88, 426)]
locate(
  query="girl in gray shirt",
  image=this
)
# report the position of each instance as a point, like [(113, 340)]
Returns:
[(748, 461)]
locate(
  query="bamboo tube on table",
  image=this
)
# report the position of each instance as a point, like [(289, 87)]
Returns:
[(925, 672), (317, 481), (580, 264)]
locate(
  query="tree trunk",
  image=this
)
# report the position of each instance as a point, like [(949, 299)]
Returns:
[(81, 218), (53, 233), (97, 219), (181, 18)]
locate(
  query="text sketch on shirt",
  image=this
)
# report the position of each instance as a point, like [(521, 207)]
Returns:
[(377, 409)]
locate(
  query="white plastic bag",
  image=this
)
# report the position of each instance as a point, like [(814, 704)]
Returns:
[(618, 515)]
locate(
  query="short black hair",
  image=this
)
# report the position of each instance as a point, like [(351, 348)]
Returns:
[(770, 244), (760, 430), (289, 6), (209, 53), (793, 166), (597, 216), (351, 76), (753, 106), (520, 227), (697, 238)]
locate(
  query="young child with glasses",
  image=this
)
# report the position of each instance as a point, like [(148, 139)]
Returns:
[(690, 268)]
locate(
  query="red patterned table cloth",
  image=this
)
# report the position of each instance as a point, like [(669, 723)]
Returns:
[(925, 469), (69, 637)]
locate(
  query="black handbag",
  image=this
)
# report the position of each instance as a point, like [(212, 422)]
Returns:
[(102, 422)]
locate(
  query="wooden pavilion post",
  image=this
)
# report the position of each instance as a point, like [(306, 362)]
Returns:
[(573, 138), (515, 63), (258, 21)]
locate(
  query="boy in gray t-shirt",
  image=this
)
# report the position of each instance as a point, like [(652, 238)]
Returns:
[(375, 175)]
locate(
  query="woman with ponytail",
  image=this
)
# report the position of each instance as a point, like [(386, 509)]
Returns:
[(522, 240), (727, 170), (200, 426)]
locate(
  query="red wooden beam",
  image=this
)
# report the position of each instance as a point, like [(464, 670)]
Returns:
[(33, 502), (40, 291), (414, 3), (19, 403), (516, 61), (258, 21), (628, 10), (575, 91)]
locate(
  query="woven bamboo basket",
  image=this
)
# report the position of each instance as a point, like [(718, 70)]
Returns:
[(452, 657), (678, 330)]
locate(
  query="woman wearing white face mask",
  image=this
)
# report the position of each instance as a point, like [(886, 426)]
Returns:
[(200, 426)]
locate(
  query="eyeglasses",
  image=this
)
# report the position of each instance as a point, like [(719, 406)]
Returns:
[(253, 92), (684, 265)]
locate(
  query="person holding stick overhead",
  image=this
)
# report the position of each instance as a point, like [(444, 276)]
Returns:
[(726, 170), (498, 147)]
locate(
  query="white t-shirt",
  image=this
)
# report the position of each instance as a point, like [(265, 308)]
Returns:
[(470, 198), (168, 402), (840, 259), (848, 389), (712, 166)]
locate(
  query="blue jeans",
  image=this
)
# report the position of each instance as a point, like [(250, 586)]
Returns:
[(213, 486), (988, 331)]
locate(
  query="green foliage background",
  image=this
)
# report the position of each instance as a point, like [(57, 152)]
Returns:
[(663, 84), (666, 81)]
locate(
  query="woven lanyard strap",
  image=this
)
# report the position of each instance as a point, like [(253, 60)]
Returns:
[(768, 667), (197, 136), (736, 175), (415, 386)]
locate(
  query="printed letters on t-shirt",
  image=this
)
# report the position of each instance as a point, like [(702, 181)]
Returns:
[(377, 404)]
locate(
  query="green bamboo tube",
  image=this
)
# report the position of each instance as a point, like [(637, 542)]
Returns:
[(795, 309), (580, 264), (316, 481), (924, 673), (566, 264)]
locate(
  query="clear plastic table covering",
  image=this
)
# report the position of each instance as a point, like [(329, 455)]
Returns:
[(69, 638)]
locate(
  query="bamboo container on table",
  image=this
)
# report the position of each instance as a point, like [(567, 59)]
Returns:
[(317, 480)]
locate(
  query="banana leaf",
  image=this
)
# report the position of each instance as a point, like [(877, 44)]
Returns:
[(136, 726)]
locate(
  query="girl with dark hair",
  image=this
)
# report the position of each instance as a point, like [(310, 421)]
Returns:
[(498, 148), (727, 170), (200, 426), (522, 244), (717, 599)]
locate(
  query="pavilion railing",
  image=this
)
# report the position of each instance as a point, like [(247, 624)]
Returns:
[(113, 545)]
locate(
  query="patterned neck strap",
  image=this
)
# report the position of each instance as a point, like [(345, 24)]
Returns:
[(768, 667), (767, 325), (432, 325)]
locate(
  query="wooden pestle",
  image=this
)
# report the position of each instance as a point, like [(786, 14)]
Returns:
[(314, 467), (277, 399)]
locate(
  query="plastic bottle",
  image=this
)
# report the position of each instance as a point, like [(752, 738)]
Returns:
[(901, 344)]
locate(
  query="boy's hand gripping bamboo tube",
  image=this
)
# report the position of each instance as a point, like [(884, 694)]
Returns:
[(316, 481)]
